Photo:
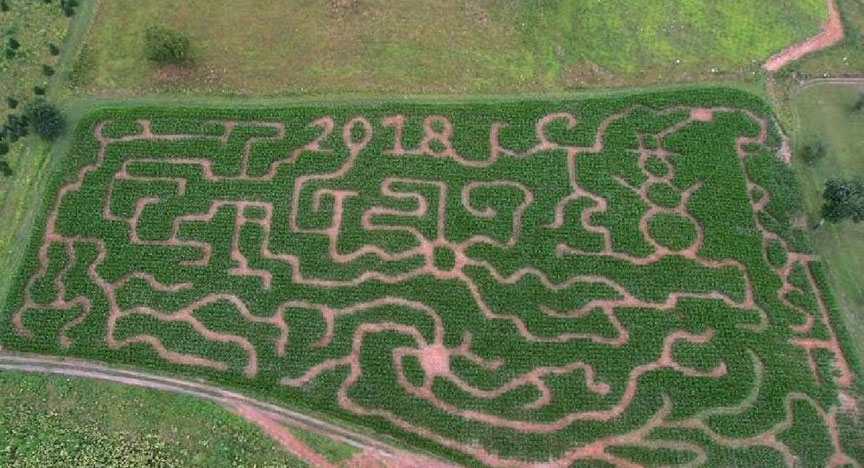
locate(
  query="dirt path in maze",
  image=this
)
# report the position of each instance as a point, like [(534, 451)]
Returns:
[(832, 33), (433, 355)]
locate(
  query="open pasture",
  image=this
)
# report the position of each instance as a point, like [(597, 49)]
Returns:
[(607, 281), (438, 46)]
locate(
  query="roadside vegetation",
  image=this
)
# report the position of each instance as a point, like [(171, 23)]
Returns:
[(58, 421)]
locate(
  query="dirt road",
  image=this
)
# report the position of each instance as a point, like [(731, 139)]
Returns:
[(832, 33)]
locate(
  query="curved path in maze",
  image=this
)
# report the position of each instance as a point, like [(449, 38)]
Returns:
[(436, 358)]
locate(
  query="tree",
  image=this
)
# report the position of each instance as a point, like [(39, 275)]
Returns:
[(47, 70), (45, 119), (813, 151), (4, 5), (39, 90), (11, 102), (844, 199), (53, 49), (165, 45)]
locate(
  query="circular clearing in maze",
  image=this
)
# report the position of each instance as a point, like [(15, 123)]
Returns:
[(664, 194), (672, 231)]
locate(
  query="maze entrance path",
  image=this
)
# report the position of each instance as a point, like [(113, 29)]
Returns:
[(617, 280)]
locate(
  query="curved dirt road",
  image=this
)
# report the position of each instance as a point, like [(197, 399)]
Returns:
[(268, 416), (832, 32)]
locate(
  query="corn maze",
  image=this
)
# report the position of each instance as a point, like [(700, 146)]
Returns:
[(618, 281)]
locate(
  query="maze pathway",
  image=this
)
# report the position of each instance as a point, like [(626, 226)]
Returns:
[(539, 284)]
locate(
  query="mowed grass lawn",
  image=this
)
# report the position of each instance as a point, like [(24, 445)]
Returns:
[(61, 421), (822, 111), (440, 46)]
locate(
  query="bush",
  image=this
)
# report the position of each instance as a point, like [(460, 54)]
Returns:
[(165, 45), (47, 70), (844, 199), (53, 49), (45, 118), (11, 102), (813, 151)]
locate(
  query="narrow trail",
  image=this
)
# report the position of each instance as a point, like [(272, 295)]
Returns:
[(268, 416), (832, 33)]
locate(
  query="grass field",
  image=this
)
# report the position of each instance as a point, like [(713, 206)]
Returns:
[(485, 279), (822, 112), (57, 421), (34, 25), (414, 46)]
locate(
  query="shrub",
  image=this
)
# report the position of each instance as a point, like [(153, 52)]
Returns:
[(45, 118), (165, 45), (47, 70), (4, 5), (844, 199), (11, 102), (813, 151), (13, 44), (53, 49), (39, 90)]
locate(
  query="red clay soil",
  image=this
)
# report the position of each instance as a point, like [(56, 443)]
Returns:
[(832, 33), (285, 438)]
